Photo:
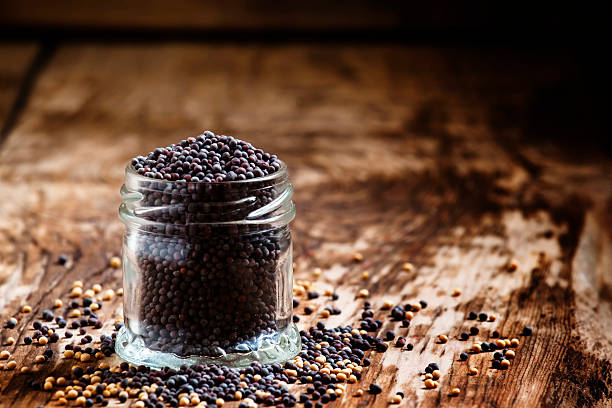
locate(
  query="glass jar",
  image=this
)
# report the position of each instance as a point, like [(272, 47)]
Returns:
[(207, 271)]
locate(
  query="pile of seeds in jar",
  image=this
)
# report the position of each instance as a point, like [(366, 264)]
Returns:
[(207, 287), (330, 366)]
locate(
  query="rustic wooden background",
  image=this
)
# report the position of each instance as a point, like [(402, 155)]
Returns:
[(454, 159)]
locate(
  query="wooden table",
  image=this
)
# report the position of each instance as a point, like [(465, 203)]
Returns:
[(439, 157)]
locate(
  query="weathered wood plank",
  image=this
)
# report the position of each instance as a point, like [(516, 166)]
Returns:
[(398, 153), (14, 62)]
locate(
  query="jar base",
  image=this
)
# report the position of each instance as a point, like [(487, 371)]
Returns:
[(131, 348)]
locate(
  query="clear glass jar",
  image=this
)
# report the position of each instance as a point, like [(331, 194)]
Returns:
[(207, 271)]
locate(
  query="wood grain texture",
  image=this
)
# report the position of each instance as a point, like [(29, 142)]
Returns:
[(402, 154), (14, 62)]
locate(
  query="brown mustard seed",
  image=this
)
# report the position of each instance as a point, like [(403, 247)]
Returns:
[(454, 392), (115, 262), (473, 371)]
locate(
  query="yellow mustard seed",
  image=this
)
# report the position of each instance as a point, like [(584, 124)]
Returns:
[(11, 365), (473, 371), (115, 262), (357, 257), (365, 275), (10, 340), (325, 313), (442, 338), (387, 305), (58, 303), (26, 309), (47, 386), (85, 357), (108, 294), (428, 376), (4, 355), (363, 293), (68, 353), (141, 404), (396, 399), (76, 291), (408, 315), (509, 354), (97, 288), (476, 348), (492, 318), (454, 392), (25, 370), (515, 342), (456, 292), (435, 374), (59, 394), (513, 265), (359, 392), (89, 293), (39, 359), (220, 402), (77, 284), (120, 292), (407, 266), (317, 271), (75, 313), (504, 364), (62, 401), (430, 383), (80, 401)]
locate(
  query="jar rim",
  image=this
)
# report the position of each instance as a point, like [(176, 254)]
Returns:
[(283, 171)]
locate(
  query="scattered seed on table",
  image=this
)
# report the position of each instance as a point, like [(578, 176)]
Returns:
[(474, 331), (527, 331), (472, 316), (365, 275), (43, 340), (10, 340), (515, 342), (456, 292), (26, 309), (473, 371), (58, 303), (387, 305), (429, 383), (442, 338), (76, 291), (407, 266), (5, 355), (463, 356), (435, 374), (504, 364), (10, 365), (77, 284), (396, 399), (454, 392), (509, 354), (482, 317), (464, 336), (375, 389), (492, 317), (363, 293), (476, 348), (359, 392), (11, 323), (512, 266), (39, 359), (115, 262)]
